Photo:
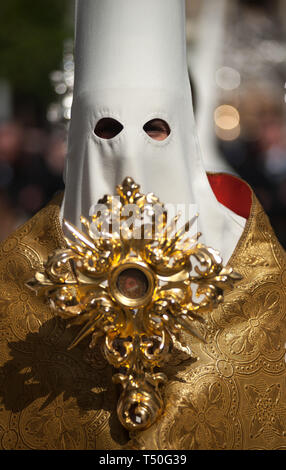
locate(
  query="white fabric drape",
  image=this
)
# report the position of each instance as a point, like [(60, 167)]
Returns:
[(130, 65)]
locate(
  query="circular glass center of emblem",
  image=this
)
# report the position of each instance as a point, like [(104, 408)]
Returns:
[(132, 283)]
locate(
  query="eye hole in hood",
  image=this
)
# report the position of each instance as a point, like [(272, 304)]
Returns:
[(107, 128), (157, 129)]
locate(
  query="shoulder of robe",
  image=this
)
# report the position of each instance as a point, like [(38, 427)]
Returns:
[(51, 397), (258, 236), (233, 395), (36, 238), (232, 192)]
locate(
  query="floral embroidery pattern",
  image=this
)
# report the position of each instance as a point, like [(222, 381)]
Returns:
[(17, 300), (55, 426), (255, 324), (203, 414), (266, 410)]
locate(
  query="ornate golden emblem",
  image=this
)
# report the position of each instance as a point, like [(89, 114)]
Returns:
[(137, 286)]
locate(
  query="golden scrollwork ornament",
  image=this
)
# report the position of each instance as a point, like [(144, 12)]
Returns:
[(137, 285)]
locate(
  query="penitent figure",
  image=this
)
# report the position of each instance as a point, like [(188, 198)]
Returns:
[(132, 115)]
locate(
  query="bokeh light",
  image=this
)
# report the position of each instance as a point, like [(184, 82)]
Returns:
[(227, 120), (228, 78)]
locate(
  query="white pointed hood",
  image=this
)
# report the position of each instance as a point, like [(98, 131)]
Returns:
[(130, 65)]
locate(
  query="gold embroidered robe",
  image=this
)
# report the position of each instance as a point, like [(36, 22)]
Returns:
[(232, 397)]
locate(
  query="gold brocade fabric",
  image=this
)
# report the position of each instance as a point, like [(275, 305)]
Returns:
[(50, 398), (232, 397)]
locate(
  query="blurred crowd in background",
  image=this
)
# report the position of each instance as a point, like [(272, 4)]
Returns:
[(248, 116), (33, 38), (31, 166), (253, 86)]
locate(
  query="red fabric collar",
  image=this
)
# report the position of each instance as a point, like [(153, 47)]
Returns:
[(232, 192)]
